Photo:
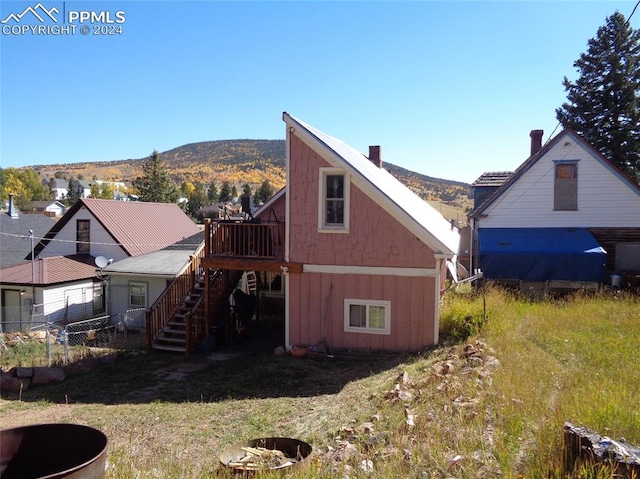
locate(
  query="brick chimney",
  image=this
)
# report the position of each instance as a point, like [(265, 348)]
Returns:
[(374, 155), (536, 141), (13, 212)]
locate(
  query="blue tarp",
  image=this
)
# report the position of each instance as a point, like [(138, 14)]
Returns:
[(541, 254)]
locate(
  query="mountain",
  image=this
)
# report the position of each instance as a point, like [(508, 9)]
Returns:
[(249, 161)]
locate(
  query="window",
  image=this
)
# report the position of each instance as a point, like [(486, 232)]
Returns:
[(138, 295), (333, 202), (367, 316), (98, 298), (565, 187), (83, 239)]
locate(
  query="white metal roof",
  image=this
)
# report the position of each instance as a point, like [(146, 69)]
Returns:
[(412, 211)]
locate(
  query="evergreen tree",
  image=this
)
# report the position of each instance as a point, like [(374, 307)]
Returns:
[(212, 193), (246, 189), (73, 193), (234, 192), (155, 185), (604, 102), (264, 192), (225, 192)]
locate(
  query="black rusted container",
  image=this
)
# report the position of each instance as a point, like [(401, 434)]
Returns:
[(52, 451), (293, 448)]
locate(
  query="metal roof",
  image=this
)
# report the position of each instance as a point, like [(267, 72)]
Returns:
[(138, 227), (168, 262), (50, 271), (492, 179), (415, 213), (15, 245)]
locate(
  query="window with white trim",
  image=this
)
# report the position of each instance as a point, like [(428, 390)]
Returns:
[(333, 201), (138, 295), (367, 316)]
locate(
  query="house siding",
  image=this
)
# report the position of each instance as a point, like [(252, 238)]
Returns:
[(69, 303), (603, 200), (102, 243), (317, 307), (119, 294), (375, 238)]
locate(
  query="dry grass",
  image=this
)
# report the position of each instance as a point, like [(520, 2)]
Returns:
[(491, 405)]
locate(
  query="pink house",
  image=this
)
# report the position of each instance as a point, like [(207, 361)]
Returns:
[(360, 259), (373, 253)]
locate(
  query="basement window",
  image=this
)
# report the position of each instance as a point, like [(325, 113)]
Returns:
[(333, 201), (565, 187), (367, 316)]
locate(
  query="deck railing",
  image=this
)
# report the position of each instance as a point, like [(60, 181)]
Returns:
[(242, 238), (159, 314)]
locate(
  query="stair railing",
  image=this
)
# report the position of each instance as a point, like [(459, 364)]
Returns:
[(163, 309)]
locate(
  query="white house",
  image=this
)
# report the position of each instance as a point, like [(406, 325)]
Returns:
[(558, 207)]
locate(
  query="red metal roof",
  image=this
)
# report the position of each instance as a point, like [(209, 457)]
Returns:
[(138, 227), (49, 271)]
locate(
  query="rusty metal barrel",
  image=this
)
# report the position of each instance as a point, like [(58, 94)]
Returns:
[(53, 451)]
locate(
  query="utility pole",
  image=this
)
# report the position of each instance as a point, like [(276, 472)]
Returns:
[(32, 259)]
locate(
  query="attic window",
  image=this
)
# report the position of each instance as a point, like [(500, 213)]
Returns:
[(83, 239), (333, 201), (565, 187)]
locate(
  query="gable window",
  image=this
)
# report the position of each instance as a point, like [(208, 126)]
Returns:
[(565, 186), (138, 295), (82, 237), (367, 316), (333, 214)]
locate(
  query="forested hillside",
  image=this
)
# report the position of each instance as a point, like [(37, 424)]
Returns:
[(245, 161)]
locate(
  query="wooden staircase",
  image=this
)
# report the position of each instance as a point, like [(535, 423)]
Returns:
[(173, 336)]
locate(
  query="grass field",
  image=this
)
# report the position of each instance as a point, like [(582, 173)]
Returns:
[(489, 402)]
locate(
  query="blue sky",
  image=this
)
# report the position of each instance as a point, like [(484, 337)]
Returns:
[(449, 89)]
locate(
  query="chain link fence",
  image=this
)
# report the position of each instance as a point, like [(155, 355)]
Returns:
[(120, 331)]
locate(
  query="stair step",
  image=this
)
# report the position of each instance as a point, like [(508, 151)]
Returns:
[(167, 339), (164, 347)]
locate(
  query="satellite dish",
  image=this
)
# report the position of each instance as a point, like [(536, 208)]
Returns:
[(101, 261)]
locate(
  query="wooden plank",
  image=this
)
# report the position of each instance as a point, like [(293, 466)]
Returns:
[(248, 264)]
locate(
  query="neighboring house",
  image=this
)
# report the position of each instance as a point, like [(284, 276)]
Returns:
[(58, 186), (92, 228), (137, 281), (84, 188), (362, 258), (50, 208), (16, 230), (567, 215), (59, 289)]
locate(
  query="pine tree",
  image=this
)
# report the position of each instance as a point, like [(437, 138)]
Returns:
[(73, 191), (225, 192), (156, 185), (246, 189), (264, 192), (603, 103), (212, 193)]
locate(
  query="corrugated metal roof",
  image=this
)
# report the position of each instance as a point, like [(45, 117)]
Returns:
[(142, 227), (492, 179), (434, 229), (49, 271), (138, 227)]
